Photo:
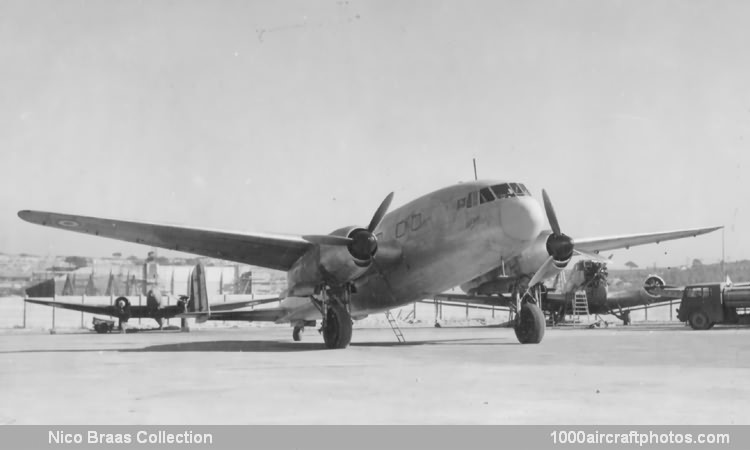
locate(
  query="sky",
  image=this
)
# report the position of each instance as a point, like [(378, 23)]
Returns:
[(300, 117)]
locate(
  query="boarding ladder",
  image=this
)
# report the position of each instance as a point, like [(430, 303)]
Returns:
[(394, 327), (580, 305)]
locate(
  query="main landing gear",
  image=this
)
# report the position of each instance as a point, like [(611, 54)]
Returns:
[(336, 326), (624, 316), (529, 326)]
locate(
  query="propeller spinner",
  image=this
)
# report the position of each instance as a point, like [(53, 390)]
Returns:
[(560, 246), (361, 242)]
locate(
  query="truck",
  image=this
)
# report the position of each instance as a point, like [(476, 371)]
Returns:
[(707, 304)]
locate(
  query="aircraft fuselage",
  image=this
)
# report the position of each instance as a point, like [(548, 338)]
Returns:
[(446, 238)]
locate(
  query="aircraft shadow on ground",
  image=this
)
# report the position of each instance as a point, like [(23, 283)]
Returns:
[(285, 346), (262, 346)]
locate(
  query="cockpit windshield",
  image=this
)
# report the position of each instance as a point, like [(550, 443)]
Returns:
[(490, 194), (510, 190)]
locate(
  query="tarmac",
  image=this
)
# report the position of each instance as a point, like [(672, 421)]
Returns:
[(641, 374)]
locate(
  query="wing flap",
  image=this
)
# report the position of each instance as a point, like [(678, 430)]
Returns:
[(265, 250)]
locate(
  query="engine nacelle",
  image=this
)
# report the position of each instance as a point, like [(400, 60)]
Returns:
[(122, 307), (330, 264), (653, 285), (153, 300)]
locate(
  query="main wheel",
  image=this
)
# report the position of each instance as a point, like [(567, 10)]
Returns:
[(699, 321), (530, 324), (297, 334), (338, 330)]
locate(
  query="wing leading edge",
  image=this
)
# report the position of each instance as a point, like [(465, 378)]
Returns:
[(600, 244), (277, 252)]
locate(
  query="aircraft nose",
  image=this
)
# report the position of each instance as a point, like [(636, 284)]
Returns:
[(521, 218)]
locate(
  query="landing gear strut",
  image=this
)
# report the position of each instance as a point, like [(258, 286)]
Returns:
[(624, 316), (529, 326), (336, 327)]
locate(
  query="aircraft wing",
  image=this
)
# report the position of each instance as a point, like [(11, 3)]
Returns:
[(555, 298), (626, 241), (229, 306), (107, 310), (253, 315), (489, 300), (277, 252)]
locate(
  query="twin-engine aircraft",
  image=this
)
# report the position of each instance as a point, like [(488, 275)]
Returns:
[(589, 276), (459, 234), (153, 309)]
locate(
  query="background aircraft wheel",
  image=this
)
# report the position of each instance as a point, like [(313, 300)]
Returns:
[(101, 328), (338, 330), (530, 324), (699, 321), (297, 334)]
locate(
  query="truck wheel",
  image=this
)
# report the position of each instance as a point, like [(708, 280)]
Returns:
[(699, 321)]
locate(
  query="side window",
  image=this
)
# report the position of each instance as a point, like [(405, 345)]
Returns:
[(693, 292), (416, 221), (400, 229), (485, 195), (471, 200), (526, 191)]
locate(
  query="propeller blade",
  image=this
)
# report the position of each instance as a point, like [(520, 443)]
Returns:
[(327, 239), (551, 216), (380, 213), (545, 271)]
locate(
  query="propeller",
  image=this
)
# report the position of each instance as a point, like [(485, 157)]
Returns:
[(560, 246), (653, 285), (361, 242)]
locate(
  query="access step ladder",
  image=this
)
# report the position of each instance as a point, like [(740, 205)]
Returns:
[(394, 327), (580, 306)]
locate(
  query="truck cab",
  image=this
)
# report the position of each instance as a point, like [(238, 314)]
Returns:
[(701, 306), (704, 305)]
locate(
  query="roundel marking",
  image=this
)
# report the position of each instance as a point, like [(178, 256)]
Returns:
[(68, 223)]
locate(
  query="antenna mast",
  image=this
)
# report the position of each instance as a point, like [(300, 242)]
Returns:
[(474, 160)]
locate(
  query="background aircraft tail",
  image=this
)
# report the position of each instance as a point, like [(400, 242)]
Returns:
[(198, 306)]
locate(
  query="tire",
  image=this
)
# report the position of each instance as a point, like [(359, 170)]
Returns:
[(699, 321), (530, 324), (338, 330), (297, 334)]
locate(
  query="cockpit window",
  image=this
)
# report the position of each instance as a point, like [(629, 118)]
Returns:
[(502, 191), (517, 189), (510, 190), (485, 195)]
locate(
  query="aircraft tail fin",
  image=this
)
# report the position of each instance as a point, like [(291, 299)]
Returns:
[(198, 306)]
